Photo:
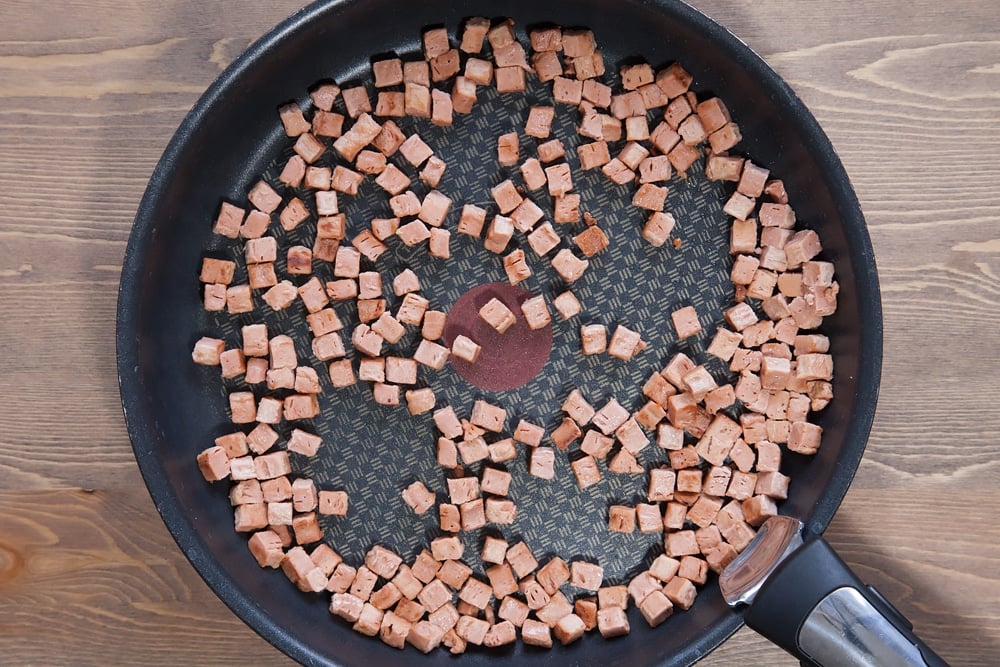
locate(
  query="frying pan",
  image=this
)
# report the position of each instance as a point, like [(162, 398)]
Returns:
[(174, 409)]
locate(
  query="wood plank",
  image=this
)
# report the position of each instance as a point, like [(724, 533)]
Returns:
[(90, 94)]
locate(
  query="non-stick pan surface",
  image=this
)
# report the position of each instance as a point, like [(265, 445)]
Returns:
[(174, 409)]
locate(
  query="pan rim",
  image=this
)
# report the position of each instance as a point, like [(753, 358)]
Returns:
[(140, 426)]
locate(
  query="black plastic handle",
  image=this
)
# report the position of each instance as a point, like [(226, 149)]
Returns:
[(787, 610)]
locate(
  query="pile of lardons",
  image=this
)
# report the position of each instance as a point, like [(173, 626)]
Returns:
[(724, 440)]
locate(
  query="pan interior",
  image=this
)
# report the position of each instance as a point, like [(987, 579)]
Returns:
[(174, 408), (375, 451)]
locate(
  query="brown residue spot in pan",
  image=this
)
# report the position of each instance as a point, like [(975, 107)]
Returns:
[(507, 360)]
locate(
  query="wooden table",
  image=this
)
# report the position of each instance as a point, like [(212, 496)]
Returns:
[(90, 93)]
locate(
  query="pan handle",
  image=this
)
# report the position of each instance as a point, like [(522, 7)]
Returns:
[(804, 598)]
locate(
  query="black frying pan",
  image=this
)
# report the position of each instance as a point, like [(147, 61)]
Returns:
[(174, 409)]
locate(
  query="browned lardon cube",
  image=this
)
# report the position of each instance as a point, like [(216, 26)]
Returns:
[(356, 101), (567, 91), (565, 434), (207, 351), (447, 422), (495, 481), (489, 417), (665, 139), (278, 297), (624, 343), (242, 407), (586, 609), (752, 180), (653, 96), (536, 633), (431, 354), (630, 434), (543, 239), (632, 156), (500, 510), (658, 227), (566, 209), (723, 167), (621, 519), (416, 100), (598, 125), (510, 79), (476, 592), (346, 180), (739, 206), (649, 196), (610, 417), (447, 453), (362, 133), (612, 622), (526, 215), (713, 114), (214, 464), (740, 316), (682, 156), (586, 471), (304, 443), (425, 636), (385, 394), (249, 518), (479, 71), (758, 509), (804, 438), (292, 119), (618, 172), (419, 401), (650, 415), (472, 630), (528, 433), (560, 180), (624, 463), (568, 629), (593, 155), (445, 65), (578, 408), (497, 315), (513, 610), (681, 543), (536, 312), (654, 169), (593, 339), (508, 149), (569, 266), (516, 266), (677, 110), (499, 234), (304, 496), (539, 123), (681, 592), (506, 196), (691, 130), (725, 137), (656, 608), (502, 580), (532, 174), (566, 303), (261, 195), (256, 223), (591, 241), (326, 124), (419, 497)]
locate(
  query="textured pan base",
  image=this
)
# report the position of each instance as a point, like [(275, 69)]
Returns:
[(374, 452)]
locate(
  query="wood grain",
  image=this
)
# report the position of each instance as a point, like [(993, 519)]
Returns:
[(90, 93)]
